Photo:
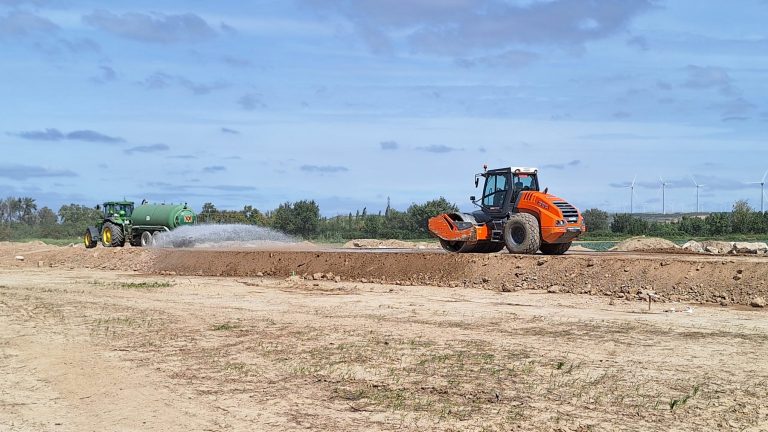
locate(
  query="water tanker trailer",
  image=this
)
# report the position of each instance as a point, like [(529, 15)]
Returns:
[(123, 223)]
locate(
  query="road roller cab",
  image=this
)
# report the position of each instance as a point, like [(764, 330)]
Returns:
[(513, 212)]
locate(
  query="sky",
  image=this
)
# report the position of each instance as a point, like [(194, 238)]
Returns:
[(352, 102)]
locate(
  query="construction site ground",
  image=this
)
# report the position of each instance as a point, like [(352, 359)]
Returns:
[(130, 339)]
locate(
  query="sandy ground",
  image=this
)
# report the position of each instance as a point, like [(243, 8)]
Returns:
[(95, 350)]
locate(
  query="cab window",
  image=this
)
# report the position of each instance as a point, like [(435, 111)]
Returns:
[(495, 190), (525, 182)]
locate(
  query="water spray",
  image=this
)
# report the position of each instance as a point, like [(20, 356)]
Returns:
[(223, 235)]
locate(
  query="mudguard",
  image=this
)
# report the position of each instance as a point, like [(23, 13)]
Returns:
[(95, 234)]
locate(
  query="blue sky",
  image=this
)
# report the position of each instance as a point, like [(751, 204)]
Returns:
[(349, 102)]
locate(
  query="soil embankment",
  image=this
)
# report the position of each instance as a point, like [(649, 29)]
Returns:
[(673, 278), (668, 277)]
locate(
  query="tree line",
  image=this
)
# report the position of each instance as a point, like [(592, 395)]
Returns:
[(21, 219), (302, 218), (742, 220)]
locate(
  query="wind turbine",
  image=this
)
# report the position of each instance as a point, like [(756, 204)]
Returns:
[(762, 191), (663, 195), (631, 188), (698, 186)]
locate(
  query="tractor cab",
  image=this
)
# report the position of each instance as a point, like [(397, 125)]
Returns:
[(118, 209), (503, 187)]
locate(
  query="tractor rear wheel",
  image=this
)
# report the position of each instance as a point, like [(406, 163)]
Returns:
[(521, 234), (555, 248), (112, 235), (88, 240)]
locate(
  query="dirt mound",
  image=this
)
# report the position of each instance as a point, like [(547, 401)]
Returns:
[(579, 248), (638, 244), (36, 255), (21, 248), (671, 278), (389, 244), (689, 277)]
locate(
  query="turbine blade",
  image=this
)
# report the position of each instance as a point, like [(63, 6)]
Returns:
[(694, 181), (764, 176), (634, 180)]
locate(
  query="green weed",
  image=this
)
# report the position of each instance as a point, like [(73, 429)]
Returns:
[(681, 401), (145, 285), (224, 327)]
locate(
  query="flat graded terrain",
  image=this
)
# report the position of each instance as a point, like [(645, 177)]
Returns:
[(86, 349)]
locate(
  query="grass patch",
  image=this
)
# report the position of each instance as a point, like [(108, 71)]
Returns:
[(114, 325), (145, 285), (224, 327)]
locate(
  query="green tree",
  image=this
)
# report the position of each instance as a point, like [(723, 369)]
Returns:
[(76, 214), (208, 213), (718, 224), (48, 223), (596, 220), (254, 216), (10, 209), (742, 218), (299, 218), (306, 218), (694, 226), (660, 229), (628, 224), (75, 218), (28, 211), (419, 214)]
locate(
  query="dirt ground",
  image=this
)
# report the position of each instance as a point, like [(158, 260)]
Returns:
[(668, 277), (84, 348)]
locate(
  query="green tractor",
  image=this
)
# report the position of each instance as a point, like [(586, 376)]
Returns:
[(123, 223)]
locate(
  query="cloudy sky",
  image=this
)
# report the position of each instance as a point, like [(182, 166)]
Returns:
[(353, 101)]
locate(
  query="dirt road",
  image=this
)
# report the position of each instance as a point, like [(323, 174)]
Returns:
[(90, 349)]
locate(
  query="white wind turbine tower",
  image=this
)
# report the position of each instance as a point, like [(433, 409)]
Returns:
[(663, 195), (762, 191), (698, 186), (631, 188)]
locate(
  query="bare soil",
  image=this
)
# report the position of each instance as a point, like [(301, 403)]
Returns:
[(670, 277), (125, 348)]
